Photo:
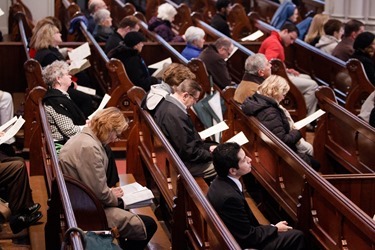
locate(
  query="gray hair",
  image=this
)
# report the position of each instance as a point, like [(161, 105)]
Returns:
[(54, 70), (101, 15), (193, 33), (166, 12), (255, 62), (223, 42)]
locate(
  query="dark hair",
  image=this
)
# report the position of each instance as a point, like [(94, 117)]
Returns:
[(128, 21), (331, 26), (352, 26), (225, 157), (290, 27), (221, 4)]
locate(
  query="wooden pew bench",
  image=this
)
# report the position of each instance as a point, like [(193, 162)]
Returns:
[(342, 139)]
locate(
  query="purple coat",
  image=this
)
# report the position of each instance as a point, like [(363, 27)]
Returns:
[(164, 29)]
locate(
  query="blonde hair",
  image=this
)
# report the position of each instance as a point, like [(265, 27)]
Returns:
[(176, 73), (273, 86), (316, 27), (106, 121), (43, 37), (166, 12)]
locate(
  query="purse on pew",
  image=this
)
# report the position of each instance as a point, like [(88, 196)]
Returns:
[(5, 212), (93, 240)]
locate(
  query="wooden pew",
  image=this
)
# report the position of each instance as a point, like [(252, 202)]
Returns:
[(360, 87), (120, 10), (342, 138), (66, 10), (194, 221), (239, 22), (59, 202), (310, 200), (18, 10), (317, 6), (265, 8)]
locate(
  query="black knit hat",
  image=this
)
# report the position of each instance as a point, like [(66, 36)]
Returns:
[(133, 38), (363, 40)]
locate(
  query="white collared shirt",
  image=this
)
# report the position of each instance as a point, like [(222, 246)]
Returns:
[(237, 181)]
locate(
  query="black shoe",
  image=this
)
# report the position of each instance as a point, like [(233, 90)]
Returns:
[(24, 221), (32, 209)]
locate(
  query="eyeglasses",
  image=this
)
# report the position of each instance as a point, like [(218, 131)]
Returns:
[(195, 98)]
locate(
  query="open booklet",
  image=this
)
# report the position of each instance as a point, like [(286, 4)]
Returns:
[(252, 37), (231, 54), (160, 67), (78, 59), (301, 123), (11, 128), (104, 102), (136, 195)]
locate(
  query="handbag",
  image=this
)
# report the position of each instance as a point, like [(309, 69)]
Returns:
[(92, 240)]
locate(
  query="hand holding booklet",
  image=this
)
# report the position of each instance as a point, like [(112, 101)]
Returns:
[(104, 102), (301, 123), (136, 195), (160, 67)]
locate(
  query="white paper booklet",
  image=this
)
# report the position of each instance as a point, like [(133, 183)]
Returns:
[(8, 123), (240, 138), (86, 90), (254, 36), (231, 54), (1, 12), (78, 58), (301, 123), (213, 130), (104, 102), (136, 195), (12, 131), (160, 67)]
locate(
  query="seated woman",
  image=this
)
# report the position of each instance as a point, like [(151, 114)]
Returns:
[(333, 31), (63, 115), (316, 29), (130, 55), (288, 13), (103, 28), (265, 106), (47, 38), (364, 49), (84, 158), (162, 23), (194, 37)]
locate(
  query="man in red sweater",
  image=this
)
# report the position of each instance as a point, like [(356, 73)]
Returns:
[(273, 47)]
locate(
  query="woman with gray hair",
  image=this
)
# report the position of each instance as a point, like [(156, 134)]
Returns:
[(63, 115), (265, 106), (194, 37), (162, 23), (103, 29)]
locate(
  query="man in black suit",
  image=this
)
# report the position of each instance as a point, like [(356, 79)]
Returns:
[(225, 195)]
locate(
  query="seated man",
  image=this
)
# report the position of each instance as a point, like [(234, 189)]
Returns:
[(214, 58), (14, 178), (225, 195), (257, 68), (219, 20), (6, 110), (177, 126), (273, 47)]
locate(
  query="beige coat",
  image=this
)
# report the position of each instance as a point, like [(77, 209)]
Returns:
[(83, 157)]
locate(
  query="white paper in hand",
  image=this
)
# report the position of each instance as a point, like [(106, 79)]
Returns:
[(300, 124), (80, 52), (12, 130), (8, 123), (213, 130), (104, 102), (239, 138)]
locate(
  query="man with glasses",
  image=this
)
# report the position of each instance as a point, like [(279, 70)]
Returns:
[(214, 58), (174, 121)]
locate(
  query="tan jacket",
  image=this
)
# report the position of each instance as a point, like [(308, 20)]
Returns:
[(84, 158)]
